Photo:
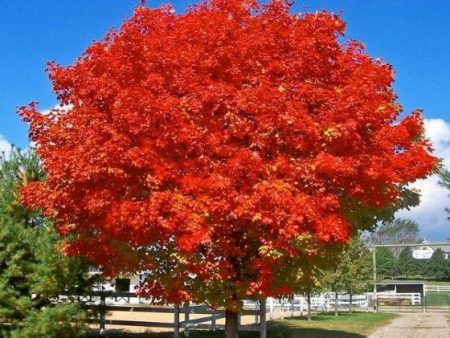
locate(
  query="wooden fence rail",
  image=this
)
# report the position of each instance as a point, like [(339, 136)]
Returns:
[(106, 302), (209, 322)]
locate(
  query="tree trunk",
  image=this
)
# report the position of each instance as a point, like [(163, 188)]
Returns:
[(308, 299), (350, 309), (336, 313), (231, 323)]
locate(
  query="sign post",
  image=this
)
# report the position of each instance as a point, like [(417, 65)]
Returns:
[(374, 253)]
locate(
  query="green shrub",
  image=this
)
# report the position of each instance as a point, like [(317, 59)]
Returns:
[(60, 321)]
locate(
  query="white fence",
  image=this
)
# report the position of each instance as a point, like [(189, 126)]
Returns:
[(320, 302), (343, 300), (279, 308), (436, 288), (390, 298)]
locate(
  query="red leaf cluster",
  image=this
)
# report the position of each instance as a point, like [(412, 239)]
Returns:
[(200, 146)]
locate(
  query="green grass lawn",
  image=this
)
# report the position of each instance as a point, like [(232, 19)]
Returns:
[(356, 325), (438, 299), (437, 282), (328, 326)]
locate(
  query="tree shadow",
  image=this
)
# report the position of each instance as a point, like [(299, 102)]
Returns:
[(312, 333), (321, 333), (290, 328), (287, 328), (323, 316), (276, 331), (192, 334)]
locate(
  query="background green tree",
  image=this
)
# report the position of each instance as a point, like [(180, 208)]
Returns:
[(437, 266), (356, 266), (332, 280), (18, 227), (386, 263), (407, 266), (310, 284), (352, 272), (31, 268), (399, 231)]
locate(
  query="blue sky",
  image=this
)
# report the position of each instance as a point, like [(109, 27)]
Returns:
[(414, 36)]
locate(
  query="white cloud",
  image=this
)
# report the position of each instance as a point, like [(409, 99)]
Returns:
[(438, 132), (430, 214), (60, 109), (5, 147)]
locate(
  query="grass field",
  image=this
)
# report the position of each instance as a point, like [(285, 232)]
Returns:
[(437, 282), (357, 325), (441, 299)]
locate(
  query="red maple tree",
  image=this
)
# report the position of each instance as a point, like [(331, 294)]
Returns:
[(221, 148)]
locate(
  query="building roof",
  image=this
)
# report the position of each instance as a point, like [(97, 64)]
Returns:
[(445, 248), (400, 282)]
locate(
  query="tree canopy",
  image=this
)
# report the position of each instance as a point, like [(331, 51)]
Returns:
[(222, 147), (399, 231), (356, 263), (351, 272)]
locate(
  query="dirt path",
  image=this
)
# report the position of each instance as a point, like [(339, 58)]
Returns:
[(416, 325)]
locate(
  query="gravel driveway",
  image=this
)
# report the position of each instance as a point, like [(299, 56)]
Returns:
[(416, 325)]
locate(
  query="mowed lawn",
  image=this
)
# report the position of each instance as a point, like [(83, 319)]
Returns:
[(356, 325), (438, 299)]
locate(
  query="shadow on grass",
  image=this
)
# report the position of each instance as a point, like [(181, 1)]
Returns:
[(276, 331), (192, 334), (281, 331), (329, 317), (296, 333), (290, 327)]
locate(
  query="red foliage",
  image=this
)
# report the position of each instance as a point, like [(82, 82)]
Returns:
[(189, 142)]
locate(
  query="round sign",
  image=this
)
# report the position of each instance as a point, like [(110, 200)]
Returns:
[(423, 253)]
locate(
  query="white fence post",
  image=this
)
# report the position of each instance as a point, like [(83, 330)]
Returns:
[(281, 309), (271, 308)]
